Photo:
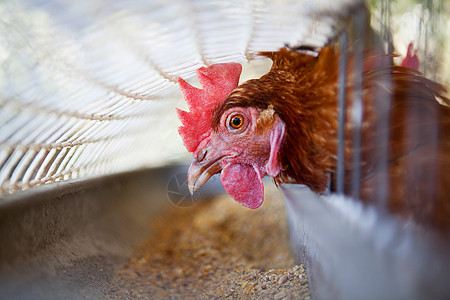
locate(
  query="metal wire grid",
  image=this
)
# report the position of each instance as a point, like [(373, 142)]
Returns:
[(423, 33), (88, 87)]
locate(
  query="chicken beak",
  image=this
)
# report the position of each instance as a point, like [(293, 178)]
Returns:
[(200, 172)]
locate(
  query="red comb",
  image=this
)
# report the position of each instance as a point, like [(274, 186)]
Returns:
[(411, 60), (217, 82)]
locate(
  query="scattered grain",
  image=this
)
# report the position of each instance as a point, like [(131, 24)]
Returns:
[(216, 249), (282, 279)]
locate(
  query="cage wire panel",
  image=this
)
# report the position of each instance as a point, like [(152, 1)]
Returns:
[(88, 88)]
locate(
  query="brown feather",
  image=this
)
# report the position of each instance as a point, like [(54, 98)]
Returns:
[(302, 92), (302, 89), (418, 146)]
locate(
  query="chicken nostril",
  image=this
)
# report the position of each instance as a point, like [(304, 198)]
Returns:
[(201, 155)]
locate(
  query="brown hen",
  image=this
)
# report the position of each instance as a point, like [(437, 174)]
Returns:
[(405, 134)]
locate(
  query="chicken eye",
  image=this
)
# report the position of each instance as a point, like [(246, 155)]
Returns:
[(236, 121)]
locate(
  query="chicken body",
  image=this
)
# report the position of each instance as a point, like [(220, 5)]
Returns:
[(292, 118)]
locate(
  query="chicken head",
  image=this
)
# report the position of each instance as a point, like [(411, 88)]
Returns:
[(244, 145)]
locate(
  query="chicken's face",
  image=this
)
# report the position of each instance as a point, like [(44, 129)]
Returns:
[(244, 148)]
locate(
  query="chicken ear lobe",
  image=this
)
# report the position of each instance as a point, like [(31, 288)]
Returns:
[(273, 166), (244, 184)]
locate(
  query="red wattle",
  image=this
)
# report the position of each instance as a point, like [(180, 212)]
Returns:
[(244, 184)]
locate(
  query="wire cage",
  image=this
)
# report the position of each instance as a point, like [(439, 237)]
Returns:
[(88, 89), (361, 250)]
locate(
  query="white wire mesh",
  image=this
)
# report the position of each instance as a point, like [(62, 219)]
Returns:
[(88, 87)]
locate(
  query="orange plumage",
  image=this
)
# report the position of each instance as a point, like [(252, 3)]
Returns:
[(405, 141), (303, 91)]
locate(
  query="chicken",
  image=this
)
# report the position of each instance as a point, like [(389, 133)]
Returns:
[(285, 125)]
